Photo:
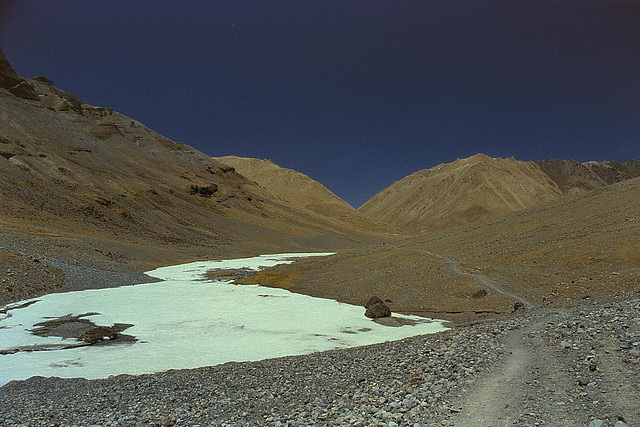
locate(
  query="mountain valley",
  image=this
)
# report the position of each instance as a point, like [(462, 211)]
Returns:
[(534, 266)]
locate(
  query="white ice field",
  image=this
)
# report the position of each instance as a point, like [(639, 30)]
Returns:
[(186, 321)]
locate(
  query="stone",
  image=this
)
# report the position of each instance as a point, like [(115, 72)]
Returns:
[(480, 294), (373, 300), (596, 423), (25, 90), (97, 334), (518, 306), (583, 381), (377, 311), (8, 77), (13, 83), (56, 104), (170, 421), (42, 79)]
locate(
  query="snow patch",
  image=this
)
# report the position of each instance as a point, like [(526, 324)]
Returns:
[(187, 322)]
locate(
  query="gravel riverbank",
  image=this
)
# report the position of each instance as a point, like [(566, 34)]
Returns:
[(32, 267), (584, 367)]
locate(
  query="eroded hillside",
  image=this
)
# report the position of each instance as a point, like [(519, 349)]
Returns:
[(305, 193)]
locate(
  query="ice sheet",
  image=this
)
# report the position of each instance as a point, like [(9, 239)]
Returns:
[(188, 322)]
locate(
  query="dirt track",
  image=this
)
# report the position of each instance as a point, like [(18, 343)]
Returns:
[(481, 279)]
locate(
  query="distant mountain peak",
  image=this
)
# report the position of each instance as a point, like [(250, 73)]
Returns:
[(481, 186)]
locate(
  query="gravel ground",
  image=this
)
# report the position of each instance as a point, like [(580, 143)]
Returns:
[(82, 277), (29, 268), (547, 366)]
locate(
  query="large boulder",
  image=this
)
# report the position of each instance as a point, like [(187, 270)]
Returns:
[(376, 308), (372, 301)]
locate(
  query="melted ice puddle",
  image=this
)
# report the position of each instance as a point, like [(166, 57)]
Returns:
[(186, 321)]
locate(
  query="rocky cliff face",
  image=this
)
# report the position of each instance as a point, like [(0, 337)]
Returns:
[(13, 83)]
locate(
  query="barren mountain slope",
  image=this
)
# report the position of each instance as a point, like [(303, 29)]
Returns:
[(573, 177), (303, 192), (89, 184), (460, 192), (576, 247)]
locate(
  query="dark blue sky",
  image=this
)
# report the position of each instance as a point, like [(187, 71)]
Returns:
[(356, 94)]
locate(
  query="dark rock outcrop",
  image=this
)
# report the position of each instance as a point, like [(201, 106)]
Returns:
[(203, 190), (105, 131), (42, 79), (13, 83), (8, 77), (372, 301), (572, 176), (24, 90)]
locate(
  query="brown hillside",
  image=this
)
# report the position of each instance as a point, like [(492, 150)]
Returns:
[(303, 192), (461, 192), (572, 248), (89, 184)]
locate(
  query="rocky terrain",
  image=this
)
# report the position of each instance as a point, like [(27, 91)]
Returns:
[(480, 187), (569, 365)]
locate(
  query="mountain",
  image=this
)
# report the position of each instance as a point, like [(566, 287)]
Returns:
[(573, 177), (303, 192), (577, 247), (91, 185), (479, 187), (460, 192)]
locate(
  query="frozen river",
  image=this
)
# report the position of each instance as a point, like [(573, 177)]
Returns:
[(189, 321)]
